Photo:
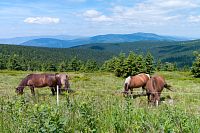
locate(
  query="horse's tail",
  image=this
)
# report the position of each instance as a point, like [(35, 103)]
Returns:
[(167, 86), (154, 84), (155, 93)]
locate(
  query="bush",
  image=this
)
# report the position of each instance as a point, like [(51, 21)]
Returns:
[(134, 64)]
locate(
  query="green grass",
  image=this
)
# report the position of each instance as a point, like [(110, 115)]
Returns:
[(98, 106)]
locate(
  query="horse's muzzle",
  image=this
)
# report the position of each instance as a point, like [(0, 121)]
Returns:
[(125, 92)]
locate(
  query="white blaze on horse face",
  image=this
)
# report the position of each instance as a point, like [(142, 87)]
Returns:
[(148, 76), (128, 80)]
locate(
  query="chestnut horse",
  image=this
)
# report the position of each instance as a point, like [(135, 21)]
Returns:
[(39, 81), (136, 81), (154, 87)]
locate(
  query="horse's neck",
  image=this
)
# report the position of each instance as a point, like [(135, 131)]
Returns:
[(23, 82)]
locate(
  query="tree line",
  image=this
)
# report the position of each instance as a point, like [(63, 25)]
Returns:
[(121, 65), (16, 62), (63, 60)]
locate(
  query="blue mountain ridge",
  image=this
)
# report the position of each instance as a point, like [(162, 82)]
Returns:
[(108, 38)]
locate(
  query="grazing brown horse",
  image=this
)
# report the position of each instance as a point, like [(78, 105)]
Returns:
[(154, 88), (136, 81), (38, 81)]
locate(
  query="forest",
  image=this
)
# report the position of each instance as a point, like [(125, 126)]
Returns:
[(169, 55)]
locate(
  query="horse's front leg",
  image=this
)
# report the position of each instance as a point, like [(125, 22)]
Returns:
[(152, 98), (32, 90), (131, 89), (53, 90), (143, 91)]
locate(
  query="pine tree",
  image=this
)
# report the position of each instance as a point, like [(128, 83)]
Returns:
[(196, 66), (169, 66), (109, 65), (51, 67), (2, 62), (74, 64), (91, 66), (62, 66), (159, 65), (140, 65), (149, 61), (119, 65), (14, 63), (129, 65)]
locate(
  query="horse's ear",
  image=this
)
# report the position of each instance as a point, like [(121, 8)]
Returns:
[(67, 77), (57, 75)]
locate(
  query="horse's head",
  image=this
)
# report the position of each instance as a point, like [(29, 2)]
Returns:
[(19, 90), (126, 85), (63, 80)]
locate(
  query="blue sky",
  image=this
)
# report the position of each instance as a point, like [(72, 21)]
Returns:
[(94, 17)]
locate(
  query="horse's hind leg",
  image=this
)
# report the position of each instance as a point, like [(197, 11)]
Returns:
[(148, 97)]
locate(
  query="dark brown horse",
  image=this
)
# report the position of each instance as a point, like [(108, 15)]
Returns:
[(136, 81), (38, 81), (154, 87)]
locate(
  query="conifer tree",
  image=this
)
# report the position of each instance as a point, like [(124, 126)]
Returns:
[(91, 66), (149, 62), (196, 65), (159, 65), (2, 62), (51, 67), (62, 66), (140, 65), (130, 64), (119, 65), (74, 64), (14, 63)]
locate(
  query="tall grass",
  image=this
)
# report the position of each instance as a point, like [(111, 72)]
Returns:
[(98, 106)]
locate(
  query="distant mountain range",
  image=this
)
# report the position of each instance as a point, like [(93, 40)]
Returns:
[(71, 41), (20, 40)]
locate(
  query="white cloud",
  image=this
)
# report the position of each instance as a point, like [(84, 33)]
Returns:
[(42, 20), (96, 16), (154, 11), (194, 19), (91, 13), (175, 4)]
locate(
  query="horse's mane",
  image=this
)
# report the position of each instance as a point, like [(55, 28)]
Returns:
[(24, 81)]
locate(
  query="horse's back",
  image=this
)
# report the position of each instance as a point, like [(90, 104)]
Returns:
[(159, 82), (139, 80), (41, 80)]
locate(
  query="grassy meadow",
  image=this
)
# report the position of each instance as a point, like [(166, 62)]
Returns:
[(98, 106)]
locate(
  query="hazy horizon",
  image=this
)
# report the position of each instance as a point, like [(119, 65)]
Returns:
[(79, 36)]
